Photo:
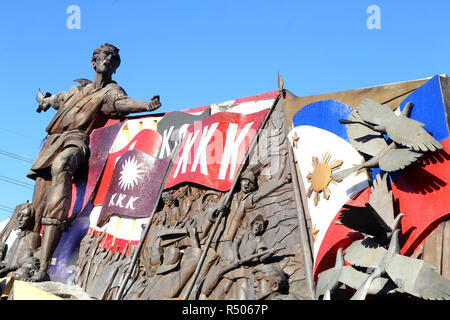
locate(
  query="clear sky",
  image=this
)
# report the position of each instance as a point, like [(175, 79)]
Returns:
[(197, 52)]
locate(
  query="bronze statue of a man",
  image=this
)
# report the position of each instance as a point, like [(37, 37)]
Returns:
[(66, 149), (26, 243)]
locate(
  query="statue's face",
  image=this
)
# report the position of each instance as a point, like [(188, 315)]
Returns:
[(246, 185), (168, 201), (195, 193), (257, 226), (263, 287), (24, 219), (106, 61)]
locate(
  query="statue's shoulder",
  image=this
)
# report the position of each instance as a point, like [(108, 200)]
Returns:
[(113, 87)]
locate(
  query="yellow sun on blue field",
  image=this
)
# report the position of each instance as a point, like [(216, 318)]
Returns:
[(131, 172)]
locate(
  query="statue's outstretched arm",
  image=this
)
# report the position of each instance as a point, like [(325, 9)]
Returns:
[(271, 188), (130, 105)]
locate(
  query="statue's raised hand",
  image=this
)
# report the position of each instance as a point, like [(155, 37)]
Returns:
[(45, 102)]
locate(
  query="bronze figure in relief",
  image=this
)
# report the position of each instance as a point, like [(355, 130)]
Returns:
[(66, 149), (25, 245)]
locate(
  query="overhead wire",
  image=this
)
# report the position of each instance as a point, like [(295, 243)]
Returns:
[(15, 156), (16, 182), (7, 209)]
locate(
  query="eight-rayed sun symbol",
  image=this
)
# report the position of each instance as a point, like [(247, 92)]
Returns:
[(320, 178), (130, 174)]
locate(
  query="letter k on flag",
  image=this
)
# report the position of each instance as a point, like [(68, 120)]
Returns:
[(213, 149), (134, 186)]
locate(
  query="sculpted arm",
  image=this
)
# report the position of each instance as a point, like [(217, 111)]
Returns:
[(271, 188), (236, 243), (52, 100), (130, 105)]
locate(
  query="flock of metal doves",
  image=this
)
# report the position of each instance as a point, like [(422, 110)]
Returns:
[(376, 265)]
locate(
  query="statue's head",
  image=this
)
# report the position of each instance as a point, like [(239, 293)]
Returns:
[(25, 216), (257, 224), (194, 193), (268, 279), (168, 198), (106, 59), (248, 182)]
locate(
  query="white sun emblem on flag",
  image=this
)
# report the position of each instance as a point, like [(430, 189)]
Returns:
[(130, 174)]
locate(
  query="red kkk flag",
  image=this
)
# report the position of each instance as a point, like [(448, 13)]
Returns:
[(134, 186), (145, 140), (213, 149)]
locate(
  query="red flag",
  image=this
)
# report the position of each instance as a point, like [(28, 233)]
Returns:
[(134, 186), (213, 149), (145, 140)]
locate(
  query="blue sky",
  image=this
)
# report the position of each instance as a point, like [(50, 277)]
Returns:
[(197, 52)]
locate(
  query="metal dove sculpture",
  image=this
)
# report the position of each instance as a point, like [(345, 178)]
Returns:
[(400, 129), (377, 260), (376, 218), (413, 276), (333, 278), (366, 127)]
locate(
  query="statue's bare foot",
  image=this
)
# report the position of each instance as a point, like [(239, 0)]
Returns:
[(39, 276)]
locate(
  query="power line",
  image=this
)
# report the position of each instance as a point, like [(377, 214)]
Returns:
[(7, 209), (19, 134), (15, 156), (16, 182)]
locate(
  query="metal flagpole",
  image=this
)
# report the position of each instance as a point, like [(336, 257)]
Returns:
[(229, 198), (306, 249)]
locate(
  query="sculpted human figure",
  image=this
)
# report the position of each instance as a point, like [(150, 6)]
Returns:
[(162, 220), (237, 258), (172, 212), (173, 274), (83, 258), (10, 226), (26, 243), (194, 195), (270, 283), (196, 229), (184, 203), (66, 149), (204, 218), (93, 245), (189, 202), (246, 199)]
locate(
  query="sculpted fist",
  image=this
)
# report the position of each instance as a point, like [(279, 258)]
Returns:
[(46, 102)]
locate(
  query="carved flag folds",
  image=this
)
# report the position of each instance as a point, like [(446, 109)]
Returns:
[(213, 149), (134, 186)]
